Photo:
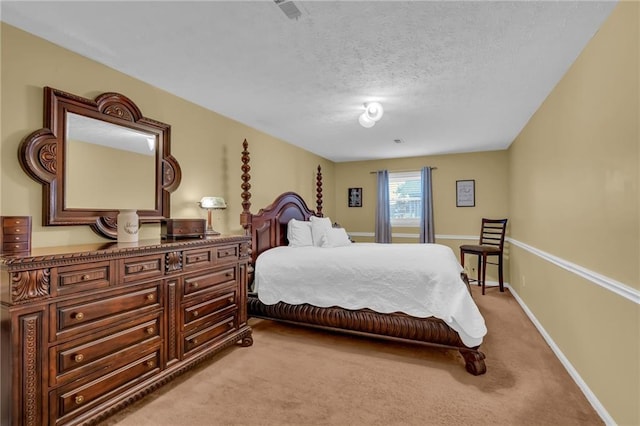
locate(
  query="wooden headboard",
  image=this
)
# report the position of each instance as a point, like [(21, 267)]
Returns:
[(268, 228)]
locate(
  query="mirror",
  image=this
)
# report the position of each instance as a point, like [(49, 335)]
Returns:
[(95, 157), (95, 185)]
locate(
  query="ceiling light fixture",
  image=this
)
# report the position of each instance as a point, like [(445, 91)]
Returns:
[(372, 113)]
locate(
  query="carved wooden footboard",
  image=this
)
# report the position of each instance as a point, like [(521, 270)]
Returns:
[(430, 331), (268, 229)]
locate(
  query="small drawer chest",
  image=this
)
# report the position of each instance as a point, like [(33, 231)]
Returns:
[(86, 330), (15, 234)]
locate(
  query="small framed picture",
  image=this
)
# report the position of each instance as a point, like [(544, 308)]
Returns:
[(355, 197), (465, 193)]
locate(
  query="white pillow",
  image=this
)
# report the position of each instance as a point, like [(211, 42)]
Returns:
[(299, 233), (319, 225), (335, 237)]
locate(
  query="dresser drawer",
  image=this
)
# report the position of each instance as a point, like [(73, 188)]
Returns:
[(16, 238), (195, 259), (82, 277), (104, 350), (143, 267), (74, 398), (16, 221), (196, 283), (202, 337), (199, 313), (16, 230), (71, 318), (15, 247), (227, 253)]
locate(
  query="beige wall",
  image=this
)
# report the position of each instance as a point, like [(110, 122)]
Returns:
[(574, 194), (452, 224), (207, 145)]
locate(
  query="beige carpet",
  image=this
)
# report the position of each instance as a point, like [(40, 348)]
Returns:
[(301, 376)]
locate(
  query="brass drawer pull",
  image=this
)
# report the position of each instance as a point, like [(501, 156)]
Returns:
[(78, 316), (85, 277), (194, 284), (151, 296), (79, 399), (228, 274), (196, 313), (194, 341), (151, 330), (151, 363), (78, 358), (17, 230)]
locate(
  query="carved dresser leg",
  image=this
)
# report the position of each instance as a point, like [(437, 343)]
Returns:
[(246, 341)]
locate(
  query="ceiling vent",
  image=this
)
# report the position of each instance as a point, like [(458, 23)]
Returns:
[(289, 9)]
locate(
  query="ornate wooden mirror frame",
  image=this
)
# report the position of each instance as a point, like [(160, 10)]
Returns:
[(42, 156)]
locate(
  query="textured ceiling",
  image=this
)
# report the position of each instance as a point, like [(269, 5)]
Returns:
[(452, 76)]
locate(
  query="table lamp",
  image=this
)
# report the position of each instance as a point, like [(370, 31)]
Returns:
[(211, 203)]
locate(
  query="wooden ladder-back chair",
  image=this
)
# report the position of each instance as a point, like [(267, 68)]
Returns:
[(491, 244)]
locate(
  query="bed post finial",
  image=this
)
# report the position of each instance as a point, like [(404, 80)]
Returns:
[(245, 216), (319, 191)]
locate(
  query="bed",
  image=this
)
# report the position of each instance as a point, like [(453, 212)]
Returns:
[(268, 231)]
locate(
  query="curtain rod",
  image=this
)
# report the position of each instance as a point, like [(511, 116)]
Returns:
[(402, 171)]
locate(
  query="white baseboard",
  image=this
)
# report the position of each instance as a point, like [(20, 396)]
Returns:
[(591, 397)]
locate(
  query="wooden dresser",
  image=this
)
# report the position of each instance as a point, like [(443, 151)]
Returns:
[(87, 330)]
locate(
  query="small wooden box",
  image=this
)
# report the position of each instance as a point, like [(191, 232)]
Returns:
[(182, 228), (15, 235)]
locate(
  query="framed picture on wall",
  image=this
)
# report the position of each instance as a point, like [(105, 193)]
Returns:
[(355, 197), (465, 193)]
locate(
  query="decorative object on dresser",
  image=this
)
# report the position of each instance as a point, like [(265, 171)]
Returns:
[(87, 330), (15, 235), (182, 228), (85, 176), (268, 230), (212, 203), (128, 223)]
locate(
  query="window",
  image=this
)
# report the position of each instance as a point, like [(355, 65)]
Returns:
[(405, 198)]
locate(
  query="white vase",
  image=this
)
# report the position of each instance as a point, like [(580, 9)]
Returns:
[(127, 226)]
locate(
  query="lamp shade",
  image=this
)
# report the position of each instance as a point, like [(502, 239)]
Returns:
[(213, 203)]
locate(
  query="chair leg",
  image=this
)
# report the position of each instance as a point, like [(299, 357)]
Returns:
[(484, 271), (500, 276), (479, 273)]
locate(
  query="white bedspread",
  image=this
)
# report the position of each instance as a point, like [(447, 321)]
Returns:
[(421, 280)]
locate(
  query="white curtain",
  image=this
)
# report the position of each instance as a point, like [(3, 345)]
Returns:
[(383, 215), (427, 233)]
